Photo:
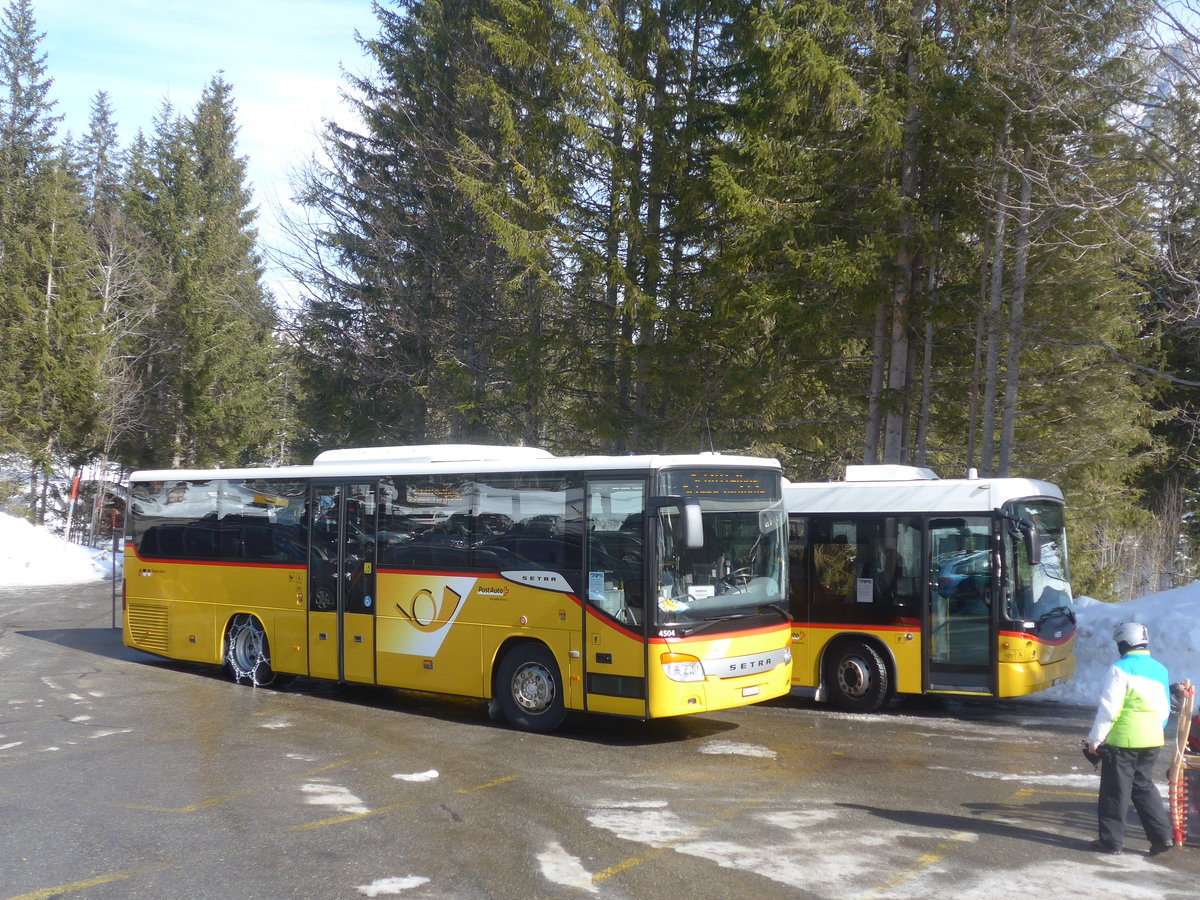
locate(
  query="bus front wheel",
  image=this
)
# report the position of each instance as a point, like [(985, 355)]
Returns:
[(857, 677), (529, 688), (247, 653)]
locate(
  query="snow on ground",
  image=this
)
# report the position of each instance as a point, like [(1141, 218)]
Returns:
[(30, 555), (33, 556)]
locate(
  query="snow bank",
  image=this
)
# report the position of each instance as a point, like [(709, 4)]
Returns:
[(1173, 620), (30, 555)]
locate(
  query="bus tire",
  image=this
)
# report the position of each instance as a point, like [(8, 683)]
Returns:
[(529, 688), (247, 653), (856, 677)]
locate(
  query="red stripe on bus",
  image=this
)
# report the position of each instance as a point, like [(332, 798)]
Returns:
[(243, 564), (613, 624)]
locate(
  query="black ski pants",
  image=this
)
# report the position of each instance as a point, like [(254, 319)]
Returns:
[(1126, 774)]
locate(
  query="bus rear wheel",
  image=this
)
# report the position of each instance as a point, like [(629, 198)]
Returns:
[(529, 689), (247, 653), (857, 677)]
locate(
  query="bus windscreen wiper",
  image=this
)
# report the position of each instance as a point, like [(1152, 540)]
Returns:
[(1058, 611), (703, 623)]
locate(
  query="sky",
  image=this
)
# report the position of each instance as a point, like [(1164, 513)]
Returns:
[(283, 58), (35, 556)]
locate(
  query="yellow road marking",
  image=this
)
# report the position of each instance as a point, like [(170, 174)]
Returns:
[(604, 874), (928, 859), (924, 861), (351, 817), (47, 893), (490, 784), (729, 812)]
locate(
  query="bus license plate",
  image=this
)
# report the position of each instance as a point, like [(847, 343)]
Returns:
[(750, 691)]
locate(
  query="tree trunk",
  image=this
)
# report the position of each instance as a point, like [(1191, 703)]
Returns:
[(992, 331), (991, 318), (895, 420), (1012, 364), (875, 397), (920, 449)]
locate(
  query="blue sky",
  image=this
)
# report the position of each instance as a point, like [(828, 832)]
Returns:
[(282, 57)]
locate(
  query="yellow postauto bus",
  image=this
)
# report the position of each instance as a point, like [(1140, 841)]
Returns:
[(903, 582), (640, 586)]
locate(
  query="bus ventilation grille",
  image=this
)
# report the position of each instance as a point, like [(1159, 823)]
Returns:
[(148, 628)]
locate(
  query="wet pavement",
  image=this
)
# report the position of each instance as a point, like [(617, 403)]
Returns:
[(127, 776)]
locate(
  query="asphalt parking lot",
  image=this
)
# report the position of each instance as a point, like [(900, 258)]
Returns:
[(123, 775)]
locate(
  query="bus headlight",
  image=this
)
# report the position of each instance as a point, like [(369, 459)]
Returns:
[(682, 667)]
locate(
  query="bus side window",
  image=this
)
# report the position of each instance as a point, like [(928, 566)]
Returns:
[(546, 516), (798, 568), (834, 580), (898, 556), (615, 527)]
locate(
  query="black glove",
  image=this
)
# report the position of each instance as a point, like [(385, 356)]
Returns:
[(1093, 758)]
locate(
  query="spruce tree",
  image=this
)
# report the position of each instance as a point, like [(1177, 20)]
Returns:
[(27, 121), (411, 297), (27, 127), (48, 322), (100, 158), (207, 374)]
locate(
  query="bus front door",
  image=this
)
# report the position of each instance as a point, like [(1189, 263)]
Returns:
[(958, 649), (615, 620), (341, 582)]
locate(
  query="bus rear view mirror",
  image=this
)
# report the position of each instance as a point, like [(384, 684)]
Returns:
[(1029, 535), (693, 524), (1033, 543), (690, 528)]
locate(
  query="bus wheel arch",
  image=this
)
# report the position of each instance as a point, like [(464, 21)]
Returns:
[(247, 652), (857, 674), (527, 687)]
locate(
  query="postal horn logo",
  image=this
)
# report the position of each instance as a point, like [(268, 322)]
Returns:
[(429, 613)]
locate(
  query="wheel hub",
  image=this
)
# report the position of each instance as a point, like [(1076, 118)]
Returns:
[(533, 688), (852, 677)]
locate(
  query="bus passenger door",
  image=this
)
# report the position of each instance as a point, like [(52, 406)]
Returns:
[(614, 655), (958, 632), (341, 573)]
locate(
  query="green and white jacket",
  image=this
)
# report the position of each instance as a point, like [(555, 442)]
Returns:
[(1135, 703)]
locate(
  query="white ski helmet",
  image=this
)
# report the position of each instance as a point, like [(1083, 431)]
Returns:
[(1132, 633)]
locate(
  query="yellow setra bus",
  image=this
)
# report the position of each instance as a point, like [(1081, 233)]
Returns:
[(641, 586), (905, 583)]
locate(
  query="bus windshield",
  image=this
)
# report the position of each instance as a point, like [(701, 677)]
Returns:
[(740, 567), (1037, 592)]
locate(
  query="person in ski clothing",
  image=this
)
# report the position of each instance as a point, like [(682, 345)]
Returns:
[(1135, 704)]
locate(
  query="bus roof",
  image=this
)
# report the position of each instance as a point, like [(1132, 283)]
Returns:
[(905, 489), (449, 459), (430, 453)]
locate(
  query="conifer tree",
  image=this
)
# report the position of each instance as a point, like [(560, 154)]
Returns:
[(206, 376), (27, 126), (27, 122), (47, 320), (100, 158), (127, 288), (412, 299)]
